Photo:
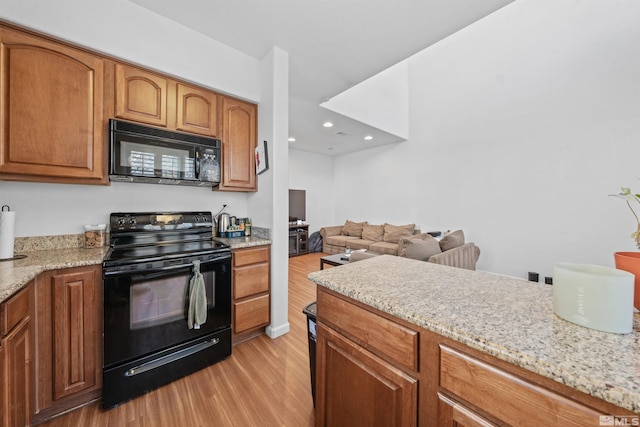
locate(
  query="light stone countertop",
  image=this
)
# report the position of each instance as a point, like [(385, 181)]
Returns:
[(243, 242), (509, 318), (16, 274)]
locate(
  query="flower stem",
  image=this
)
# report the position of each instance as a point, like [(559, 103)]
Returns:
[(633, 212)]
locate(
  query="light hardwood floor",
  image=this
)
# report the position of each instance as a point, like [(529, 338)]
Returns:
[(264, 383)]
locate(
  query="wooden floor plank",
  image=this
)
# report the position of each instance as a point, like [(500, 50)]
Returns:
[(264, 383)]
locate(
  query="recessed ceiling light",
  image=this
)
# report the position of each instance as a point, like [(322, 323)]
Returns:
[(368, 138), (327, 124), (292, 139)]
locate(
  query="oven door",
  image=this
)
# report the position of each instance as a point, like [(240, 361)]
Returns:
[(146, 311)]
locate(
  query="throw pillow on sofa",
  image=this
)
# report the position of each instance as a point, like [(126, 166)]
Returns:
[(373, 232), (393, 233), (351, 228), (452, 240), (421, 248)]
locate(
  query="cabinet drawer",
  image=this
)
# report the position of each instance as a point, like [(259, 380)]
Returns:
[(250, 314), (507, 397), (250, 256), (14, 310), (380, 335), (453, 413), (250, 280)]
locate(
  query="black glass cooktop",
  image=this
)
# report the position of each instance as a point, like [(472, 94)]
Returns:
[(149, 237)]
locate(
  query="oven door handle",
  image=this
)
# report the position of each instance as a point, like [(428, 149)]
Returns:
[(157, 271), (145, 273)]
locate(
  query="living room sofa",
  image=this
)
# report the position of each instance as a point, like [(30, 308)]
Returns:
[(450, 249), (382, 239)]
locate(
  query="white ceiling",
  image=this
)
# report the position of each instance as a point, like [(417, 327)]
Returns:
[(332, 46)]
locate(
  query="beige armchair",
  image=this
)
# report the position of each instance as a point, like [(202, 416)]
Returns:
[(445, 252)]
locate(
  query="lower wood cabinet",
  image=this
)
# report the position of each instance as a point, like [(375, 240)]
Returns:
[(454, 414), (69, 339), (374, 369), (16, 359), (366, 367), (251, 308), (361, 389), (504, 396)]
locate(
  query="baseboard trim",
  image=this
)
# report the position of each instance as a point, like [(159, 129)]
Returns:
[(275, 332)]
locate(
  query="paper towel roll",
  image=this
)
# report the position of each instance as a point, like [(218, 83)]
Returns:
[(7, 227)]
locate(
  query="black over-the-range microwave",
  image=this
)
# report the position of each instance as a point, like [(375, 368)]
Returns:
[(146, 154)]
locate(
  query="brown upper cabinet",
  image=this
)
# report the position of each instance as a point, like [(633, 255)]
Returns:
[(56, 100), (51, 111), (239, 139), (146, 97), (196, 110), (141, 96)]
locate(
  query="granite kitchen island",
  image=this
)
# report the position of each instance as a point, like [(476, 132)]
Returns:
[(462, 326)]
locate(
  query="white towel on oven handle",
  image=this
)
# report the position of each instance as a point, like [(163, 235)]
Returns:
[(197, 299)]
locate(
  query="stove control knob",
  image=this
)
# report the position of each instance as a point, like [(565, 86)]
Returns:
[(132, 222), (120, 222)]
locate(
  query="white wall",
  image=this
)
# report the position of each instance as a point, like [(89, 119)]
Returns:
[(314, 174), (382, 101), (520, 126), (270, 201), (52, 209), (125, 30), (131, 32)]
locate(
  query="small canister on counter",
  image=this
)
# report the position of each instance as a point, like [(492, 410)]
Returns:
[(95, 235), (247, 226)]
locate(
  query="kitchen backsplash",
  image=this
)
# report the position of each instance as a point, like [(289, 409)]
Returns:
[(265, 233), (67, 241), (44, 243)]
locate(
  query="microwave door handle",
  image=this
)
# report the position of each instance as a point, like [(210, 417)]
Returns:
[(197, 165)]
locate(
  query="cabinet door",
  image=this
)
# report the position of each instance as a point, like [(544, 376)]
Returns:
[(303, 242), (51, 118), (16, 406), (69, 336), (141, 96), (4, 402), (239, 139), (196, 110), (74, 332), (357, 388)]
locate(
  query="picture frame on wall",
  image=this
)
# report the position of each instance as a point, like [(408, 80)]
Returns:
[(262, 157)]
